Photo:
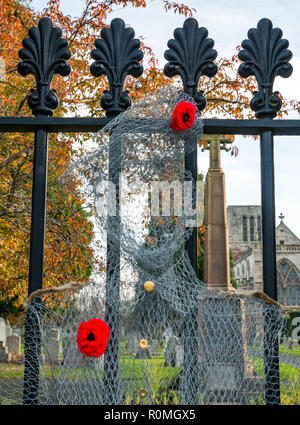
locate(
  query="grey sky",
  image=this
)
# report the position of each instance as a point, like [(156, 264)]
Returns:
[(228, 22)]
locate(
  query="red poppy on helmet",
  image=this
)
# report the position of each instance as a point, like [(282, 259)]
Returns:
[(92, 337), (183, 116)]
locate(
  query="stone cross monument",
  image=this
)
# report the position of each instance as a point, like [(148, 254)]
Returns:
[(216, 244)]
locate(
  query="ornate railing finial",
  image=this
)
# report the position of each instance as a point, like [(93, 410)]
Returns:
[(191, 55), (44, 54), (117, 55), (265, 56)]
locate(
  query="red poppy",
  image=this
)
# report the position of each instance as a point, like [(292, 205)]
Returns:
[(183, 116), (92, 337)]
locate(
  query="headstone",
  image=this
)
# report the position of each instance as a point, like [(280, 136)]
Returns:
[(55, 333), (8, 330), (155, 346), (170, 351), (289, 343), (3, 352), (2, 330), (284, 340), (70, 352), (132, 345), (51, 351), (223, 350), (168, 333), (221, 374), (143, 353), (179, 355), (13, 344)]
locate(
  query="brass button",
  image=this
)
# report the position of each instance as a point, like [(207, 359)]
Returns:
[(143, 343), (143, 392), (149, 286)]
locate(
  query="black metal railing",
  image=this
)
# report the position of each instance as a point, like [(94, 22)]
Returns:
[(190, 55)]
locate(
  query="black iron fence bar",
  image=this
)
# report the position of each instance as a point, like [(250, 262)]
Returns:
[(32, 346), (116, 65), (191, 364), (184, 59), (271, 346), (265, 60), (112, 287), (93, 125), (42, 100)]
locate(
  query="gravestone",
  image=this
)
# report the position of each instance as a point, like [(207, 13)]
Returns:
[(8, 330), (179, 355), (289, 345), (52, 351), (284, 340), (3, 352), (170, 351), (54, 333), (155, 346), (13, 343), (13, 346), (132, 345), (143, 353), (2, 330), (227, 373)]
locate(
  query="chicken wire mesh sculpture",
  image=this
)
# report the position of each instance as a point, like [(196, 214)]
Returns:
[(131, 336)]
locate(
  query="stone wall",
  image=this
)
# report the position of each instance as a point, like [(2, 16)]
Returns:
[(235, 214)]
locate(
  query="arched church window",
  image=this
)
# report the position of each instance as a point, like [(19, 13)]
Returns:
[(259, 228), (251, 229), (245, 229), (288, 284)]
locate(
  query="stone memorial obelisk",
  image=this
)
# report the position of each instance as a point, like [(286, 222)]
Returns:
[(216, 244)]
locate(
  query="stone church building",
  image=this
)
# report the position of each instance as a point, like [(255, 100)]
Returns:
[(245, 241)]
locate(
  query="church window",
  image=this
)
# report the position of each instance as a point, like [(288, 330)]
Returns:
[(243, 269), (259, 228), (252, 229), (245, 229), (280, 295), (281, 242), (288, 284)]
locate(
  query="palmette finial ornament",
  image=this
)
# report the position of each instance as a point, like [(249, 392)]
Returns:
[(117, 55), (191, 55), (44, 54), (265, 55)]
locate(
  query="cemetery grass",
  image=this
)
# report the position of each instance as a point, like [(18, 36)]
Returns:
[(130, 369), (282, 350), (138, 373), (289, 378)]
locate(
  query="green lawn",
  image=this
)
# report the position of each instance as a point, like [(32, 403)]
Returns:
[(289, 378), (282, 349), (152, 374)]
